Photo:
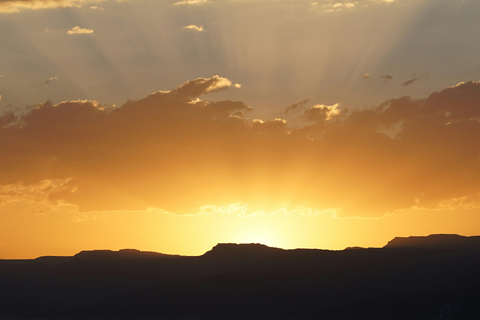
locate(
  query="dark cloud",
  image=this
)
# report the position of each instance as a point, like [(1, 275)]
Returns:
[(174, 151), (296, 106), (386, 78), (409, 82)]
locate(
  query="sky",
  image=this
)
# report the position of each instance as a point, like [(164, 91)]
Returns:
[(172, 126)]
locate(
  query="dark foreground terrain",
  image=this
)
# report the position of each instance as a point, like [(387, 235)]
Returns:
[(410, 278)]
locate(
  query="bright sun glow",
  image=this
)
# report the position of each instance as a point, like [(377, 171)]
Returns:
[(259, 235)]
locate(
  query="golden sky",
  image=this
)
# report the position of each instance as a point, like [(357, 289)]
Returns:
[(171, 126)]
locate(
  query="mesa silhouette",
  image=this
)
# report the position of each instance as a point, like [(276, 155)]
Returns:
[(410, 278)]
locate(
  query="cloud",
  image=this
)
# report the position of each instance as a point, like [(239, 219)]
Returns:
[(326, 6), (51, 79), (322, 112), (386, 78), (163, 151), (79, 30), (34, 197), (191, 2), (12, 6), (465, 202), (296, 106), (345, 5), (366, 75), (197, 87), (194, 27), (409, 82)]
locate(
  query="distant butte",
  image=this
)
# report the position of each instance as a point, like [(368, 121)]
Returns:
[(433, 241), (234, 249), (436, 241)]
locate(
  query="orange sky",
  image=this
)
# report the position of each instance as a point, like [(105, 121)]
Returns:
[(177, 174), (209, 160)]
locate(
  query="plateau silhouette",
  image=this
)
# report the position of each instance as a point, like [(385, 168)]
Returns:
[(433, 277)]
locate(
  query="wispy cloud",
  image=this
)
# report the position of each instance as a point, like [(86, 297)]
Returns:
[(386, 78), (51, 79), (330, 6), (191, 2), (12, 6), (296, 106), (34, 197), (409, 82), (79, 30)]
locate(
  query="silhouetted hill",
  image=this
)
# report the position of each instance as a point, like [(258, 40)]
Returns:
[(410, 278), (436, 241), (241, 250), (354, 248), (121, 254)]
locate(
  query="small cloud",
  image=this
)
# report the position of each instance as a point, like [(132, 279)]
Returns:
[(195, 101), (191, 2), (331, 7), (51, 79), (194, 88), (347, 5), (79, 30), (386, 78), (194, 27), (321, 112), (366, 75), (409, 82), (237, 85)]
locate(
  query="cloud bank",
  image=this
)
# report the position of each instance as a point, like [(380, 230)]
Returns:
[(175, 151)]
